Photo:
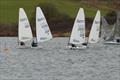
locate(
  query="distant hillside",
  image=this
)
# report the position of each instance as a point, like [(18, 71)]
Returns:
[(60, 14), (9, 8)]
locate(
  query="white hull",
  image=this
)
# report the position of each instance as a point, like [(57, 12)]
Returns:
[(112, 42), (29, 47), (39, 47), (23, 47), (76, 48)]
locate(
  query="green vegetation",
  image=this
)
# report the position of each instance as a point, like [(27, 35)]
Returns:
[(9, 8)]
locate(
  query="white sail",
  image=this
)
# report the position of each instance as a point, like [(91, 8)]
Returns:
[(43, 32), (24, 29), (78, 31), (95, 30)]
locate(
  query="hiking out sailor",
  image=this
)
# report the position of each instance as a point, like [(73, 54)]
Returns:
[(34, 43), (118, 40), (72, 45), (22, 43), (84, 44)]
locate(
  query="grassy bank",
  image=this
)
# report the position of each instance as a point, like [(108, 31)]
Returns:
[(9, 8)]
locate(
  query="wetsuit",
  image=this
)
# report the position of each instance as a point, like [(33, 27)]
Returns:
[(73, 45), (118, 40), (34, 44), (85, 44)]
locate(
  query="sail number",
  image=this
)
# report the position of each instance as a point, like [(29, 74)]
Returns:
[(23, 19), (46, 29), (80, 21), (44, 26), (92, 40), (80, 29), (26, 26), (81, 35), (74, 40), (97, 22), (40, 19)]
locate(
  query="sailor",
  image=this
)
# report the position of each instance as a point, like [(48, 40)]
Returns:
[(34, 43), (71, 45), (118, 40), (85, 44), (22, 43)]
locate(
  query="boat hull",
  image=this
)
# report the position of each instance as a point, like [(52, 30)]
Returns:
[(112, 43), (75, 48)]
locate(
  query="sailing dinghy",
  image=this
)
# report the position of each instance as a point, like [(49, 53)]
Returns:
[(115, 36), (24, 30), (95, 30), (77, 37), (105, 29), (43, 32)]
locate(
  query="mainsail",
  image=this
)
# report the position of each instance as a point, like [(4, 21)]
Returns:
[(107, 31), (95, 30), (24, 29), (117, 26), (43, 32), (78, 31)]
